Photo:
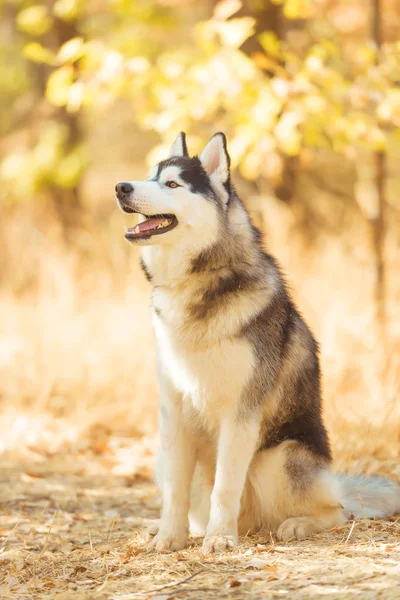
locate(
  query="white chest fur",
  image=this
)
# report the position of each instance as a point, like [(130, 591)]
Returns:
[(210, 376)]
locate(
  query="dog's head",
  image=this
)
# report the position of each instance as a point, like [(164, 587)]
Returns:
[(183, 197)]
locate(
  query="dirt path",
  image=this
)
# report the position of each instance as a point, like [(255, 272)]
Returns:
[(72, 528)]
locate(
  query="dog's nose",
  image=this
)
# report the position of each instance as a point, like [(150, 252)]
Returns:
[(123, 189)]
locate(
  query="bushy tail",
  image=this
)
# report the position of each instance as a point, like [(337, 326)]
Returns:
[(368, 497)]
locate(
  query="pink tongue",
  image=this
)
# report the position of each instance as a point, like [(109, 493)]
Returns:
[(151, 223)]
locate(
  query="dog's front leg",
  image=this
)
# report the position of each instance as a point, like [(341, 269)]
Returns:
[(236, 446), (178, 460)]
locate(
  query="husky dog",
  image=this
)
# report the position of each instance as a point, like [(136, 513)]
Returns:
[(243, 445)]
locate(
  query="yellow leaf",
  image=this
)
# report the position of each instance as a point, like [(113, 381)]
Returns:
[(67, 10), (235, 32), (297, 9), (205, 36), (36, 52), (287, 133), (265, 109), (58, 85), (251, 165), (315, 104), (34, 20), (270, 42), (138, 64), (69, 169), (75, 97), (226, 8), (70, 51), (377, 139), (239, 64)]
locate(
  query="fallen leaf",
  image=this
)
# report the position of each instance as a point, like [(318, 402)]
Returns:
[(232, 583), (79, 569), (259, 563), (261, 548), (31, 475), (180, 557), (131, 551)]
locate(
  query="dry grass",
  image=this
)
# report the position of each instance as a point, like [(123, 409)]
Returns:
[(73, 527), (78, 417)]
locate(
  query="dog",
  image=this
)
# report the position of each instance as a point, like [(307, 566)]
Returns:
[(243, 444)]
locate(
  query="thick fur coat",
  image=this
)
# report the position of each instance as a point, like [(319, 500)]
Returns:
[(243, 444)]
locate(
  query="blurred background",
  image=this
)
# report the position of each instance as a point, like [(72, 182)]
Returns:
[(94, 91)]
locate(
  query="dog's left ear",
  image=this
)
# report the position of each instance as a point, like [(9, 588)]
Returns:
[(215, 159), (179, 147)]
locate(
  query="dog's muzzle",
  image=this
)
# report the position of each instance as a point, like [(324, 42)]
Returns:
[(123, 190)]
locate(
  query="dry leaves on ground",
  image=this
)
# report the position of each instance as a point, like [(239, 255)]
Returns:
[(72, 526)]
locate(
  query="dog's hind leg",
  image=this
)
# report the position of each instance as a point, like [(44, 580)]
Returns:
[(290, 491)]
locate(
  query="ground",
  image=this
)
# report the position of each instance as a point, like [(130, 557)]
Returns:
[(73, 522)]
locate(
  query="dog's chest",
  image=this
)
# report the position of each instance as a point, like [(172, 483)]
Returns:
[(210, 374)]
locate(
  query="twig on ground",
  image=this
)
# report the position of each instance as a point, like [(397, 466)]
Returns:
[(350, 532), (174, 584), (47, 538)]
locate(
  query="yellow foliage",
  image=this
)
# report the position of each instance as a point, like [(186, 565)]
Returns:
[(295, 9), (36, 52), (270, 42), (226, 8), (235, 32), (275, 100), (251, 165), (75, 97), (59, 84), (68, 10), (69, 169), (34, 20), (288, 134), (377, 139), (71, 50), (211, 34)]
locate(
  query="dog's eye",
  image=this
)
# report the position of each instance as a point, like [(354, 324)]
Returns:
[(172, 184)]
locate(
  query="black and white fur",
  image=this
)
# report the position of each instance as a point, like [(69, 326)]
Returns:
[(243, 445)]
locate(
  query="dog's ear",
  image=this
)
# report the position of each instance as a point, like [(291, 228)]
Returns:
[(179, 147), (215, 160)]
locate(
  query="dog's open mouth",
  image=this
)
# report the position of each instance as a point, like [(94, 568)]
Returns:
[(154, 225)]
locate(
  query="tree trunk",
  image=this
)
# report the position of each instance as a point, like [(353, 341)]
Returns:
[(270, 17), (378, 224)]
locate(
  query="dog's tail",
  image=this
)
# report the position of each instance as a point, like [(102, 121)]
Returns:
[(368, 497)]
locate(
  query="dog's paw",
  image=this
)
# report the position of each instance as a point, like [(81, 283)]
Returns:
[(169, 542), (298, 528), (218, 543), (151, 532)]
